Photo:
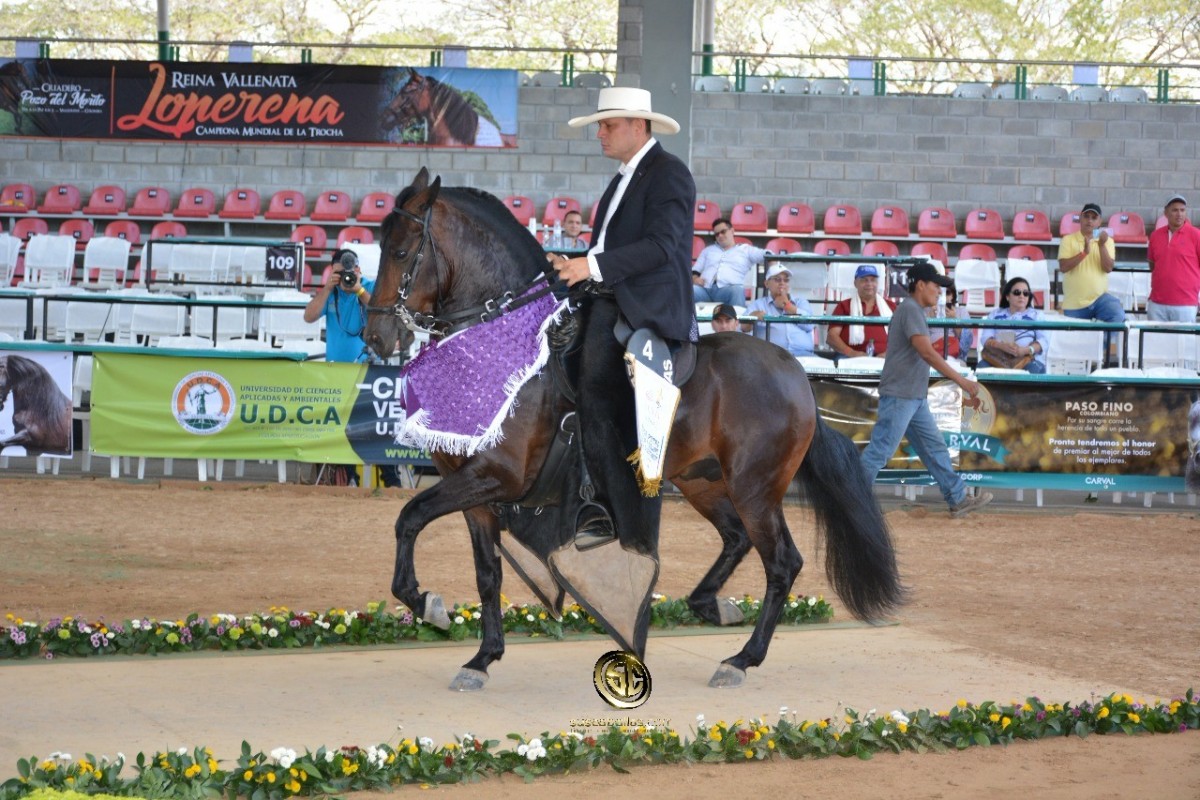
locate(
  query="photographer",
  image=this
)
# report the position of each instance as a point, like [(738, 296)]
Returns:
[(342, 300)]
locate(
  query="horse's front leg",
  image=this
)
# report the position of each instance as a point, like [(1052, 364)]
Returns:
[(462, 489), (485, 539)]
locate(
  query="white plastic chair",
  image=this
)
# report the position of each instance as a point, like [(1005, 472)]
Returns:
[(756, 83), (972, 91), (108, 258), (792, 85), (231, 320), (712, 83), (809, 279), (12, 314), (1120, 286), (974, 279), (1035, 273), (1119, 372), (591, 80), (1047, 92), (10, 251), (835, 86), (278, 324), (1089, 94), (49, 262), (1162, 348), (1128, 94), (89, 321), (152, 322), (1074, 352), (841, 280)]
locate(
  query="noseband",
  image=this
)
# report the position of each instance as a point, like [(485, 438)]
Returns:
[(436, 326)]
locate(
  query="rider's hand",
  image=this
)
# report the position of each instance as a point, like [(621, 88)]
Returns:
[(573, 270)]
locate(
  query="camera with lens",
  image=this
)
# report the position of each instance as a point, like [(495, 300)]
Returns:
[(346, 274)]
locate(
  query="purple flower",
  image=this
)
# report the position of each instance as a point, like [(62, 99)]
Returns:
[(118, 627), (98, 640), (49, 656), (18, 635), (185, 635), (1182, 727), (406, 618), (293, 623), (220, 630), (1041, 715), (1075, 712)]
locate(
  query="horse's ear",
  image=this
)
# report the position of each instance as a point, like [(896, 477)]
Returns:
[(413, 74), (432, 195), (421, 181)]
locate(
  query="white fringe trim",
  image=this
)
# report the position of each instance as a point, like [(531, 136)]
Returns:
[(417, 433)]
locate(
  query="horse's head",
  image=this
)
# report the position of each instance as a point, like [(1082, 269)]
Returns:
[(409, 104), (5, 387), (1192, 470), (407, 286)]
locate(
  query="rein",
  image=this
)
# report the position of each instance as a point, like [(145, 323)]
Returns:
[(438, 327)]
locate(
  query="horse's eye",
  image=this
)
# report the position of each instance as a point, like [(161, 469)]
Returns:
[(400, 255)]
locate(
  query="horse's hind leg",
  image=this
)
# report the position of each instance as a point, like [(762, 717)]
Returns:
[(485, 537), (713, 503)]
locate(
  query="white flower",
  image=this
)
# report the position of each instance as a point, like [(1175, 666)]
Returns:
[(110, 635), (136, 624), (467, 739), (425, 742), (532, 751), (328, 756), (459, 620), (529, 617), (284, 756), (272, 633), (812, 601), (898, 716), (376, 756), (700, 720), (181, 751), (783, 710), (121, 757), (885, 731)]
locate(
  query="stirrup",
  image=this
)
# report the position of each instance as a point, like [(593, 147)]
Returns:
[(593, 526)]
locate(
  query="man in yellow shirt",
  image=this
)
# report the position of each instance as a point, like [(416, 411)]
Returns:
[(1085, 259)]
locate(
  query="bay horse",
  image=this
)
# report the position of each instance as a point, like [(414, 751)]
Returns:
[(451, 120), (41, 412), (746, 426)]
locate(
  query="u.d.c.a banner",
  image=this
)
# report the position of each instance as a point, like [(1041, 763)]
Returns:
[(279, 103), (187, 407)]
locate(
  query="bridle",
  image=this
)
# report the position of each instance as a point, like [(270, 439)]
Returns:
[(438, 327)]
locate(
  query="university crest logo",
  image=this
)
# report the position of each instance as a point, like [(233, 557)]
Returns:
[(203, 403)]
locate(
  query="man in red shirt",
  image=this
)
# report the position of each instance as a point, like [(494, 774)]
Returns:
[(861, 340), (1174, 257)]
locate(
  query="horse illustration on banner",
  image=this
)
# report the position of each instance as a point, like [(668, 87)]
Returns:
[(41, 412), (443, 113)]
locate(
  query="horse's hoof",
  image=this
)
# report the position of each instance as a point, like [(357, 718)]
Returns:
[(468, 680), (729, 613), (435, 612), (727, 677)]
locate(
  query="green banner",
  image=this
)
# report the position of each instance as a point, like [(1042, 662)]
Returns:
[(234, 408)]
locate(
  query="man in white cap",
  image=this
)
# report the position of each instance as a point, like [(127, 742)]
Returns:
[(795, 337), (639, 266), (1174, 258)]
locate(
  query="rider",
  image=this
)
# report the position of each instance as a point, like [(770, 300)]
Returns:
[(639, 266)]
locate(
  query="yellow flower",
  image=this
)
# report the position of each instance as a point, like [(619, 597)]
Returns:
[(962, 703), (212, 764), (748, 753), (99, 774), (70, 780), (1004, 723), (1102, 713), (1175, 704), (823, 724), (192, 771), (270, 777), (1027, 707), (1134, 718), (715, 734), (349, 767), (994, 717), (248, 775), (770, 744), (466, 613), (1127, 699), (49, 766), (292, 786), (900, 726), (412, 749), (837, 737), (805, 726), (64, 633)]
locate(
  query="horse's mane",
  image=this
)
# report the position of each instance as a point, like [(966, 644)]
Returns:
[(460, 118)]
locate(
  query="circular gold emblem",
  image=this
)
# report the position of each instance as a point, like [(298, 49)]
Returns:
[(621, 679)]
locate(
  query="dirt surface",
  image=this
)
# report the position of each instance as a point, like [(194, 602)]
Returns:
[(1109, 595)]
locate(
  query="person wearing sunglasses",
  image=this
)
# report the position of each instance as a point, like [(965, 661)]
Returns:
[(1015, 348), (719, 274)]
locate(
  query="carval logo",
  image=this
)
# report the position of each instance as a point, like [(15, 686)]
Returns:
[(203, 403)]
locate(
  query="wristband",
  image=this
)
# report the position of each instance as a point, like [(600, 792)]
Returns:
[(361, 291)]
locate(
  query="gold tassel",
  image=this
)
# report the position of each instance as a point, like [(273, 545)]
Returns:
[(649, 488)]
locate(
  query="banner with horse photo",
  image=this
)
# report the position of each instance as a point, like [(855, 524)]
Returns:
[(266, 103), (35, 404)]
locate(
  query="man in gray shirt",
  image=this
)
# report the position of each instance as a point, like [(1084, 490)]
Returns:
[(904, 388)]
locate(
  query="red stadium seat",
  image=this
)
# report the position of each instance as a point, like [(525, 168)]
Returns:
[(981, 252), (1162, 222), (843, 220), (29, 226), (1028, 251), (375, 206), (557, 209), (17, 198), (795, 218), (889, 221), (331, 206), (1069, 224), (831, 247), (355, 234), (784, 245), (698, 245), (106, 201), (313, 238), (706, 213), (241, 204), (934, 250), (61, 199), (168, 229), (1031, 225), (81, 229), (125, 229), (750, 217), (880, 248), (287, 204), (521, 207), (984, 223), (196, 203), (937, 223), (153, 201), (1128, 228)]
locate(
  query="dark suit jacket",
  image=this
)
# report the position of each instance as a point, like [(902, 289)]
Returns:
[(647, 258)]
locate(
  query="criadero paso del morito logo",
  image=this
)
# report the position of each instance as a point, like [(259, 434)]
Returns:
[(180, 112)]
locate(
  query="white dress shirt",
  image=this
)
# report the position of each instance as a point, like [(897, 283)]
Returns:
[(627, 169)]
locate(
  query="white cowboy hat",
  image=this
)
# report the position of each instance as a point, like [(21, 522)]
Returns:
[(624, 101)]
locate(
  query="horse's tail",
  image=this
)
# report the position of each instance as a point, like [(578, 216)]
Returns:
[(860, 561)]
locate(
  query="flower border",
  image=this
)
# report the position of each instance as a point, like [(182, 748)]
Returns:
[(283, 773), (281, 628)]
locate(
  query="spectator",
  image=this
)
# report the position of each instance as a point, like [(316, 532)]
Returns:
[(960, 340), (1085, 259), (724, 318), (342, 301), (795, 337), (861, 340), (1174, 258), (719, 274), (903, 394), (573, 226), (1009, 347)]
